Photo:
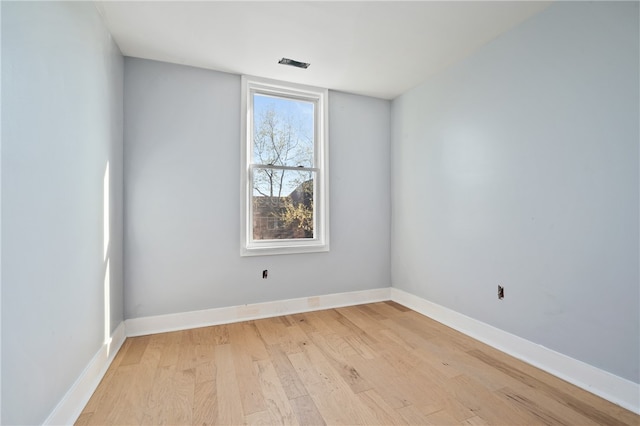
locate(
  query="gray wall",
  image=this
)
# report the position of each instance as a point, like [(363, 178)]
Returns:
[(519, 167), (62, 80), (182, 197)]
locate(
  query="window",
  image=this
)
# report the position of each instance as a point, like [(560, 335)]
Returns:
[(284, 168)]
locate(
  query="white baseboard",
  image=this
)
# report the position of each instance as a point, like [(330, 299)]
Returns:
[(74, 401), (216, 316), (606, 385)]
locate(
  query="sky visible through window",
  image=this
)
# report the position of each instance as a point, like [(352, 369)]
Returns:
[(283, 135), (286, 107)]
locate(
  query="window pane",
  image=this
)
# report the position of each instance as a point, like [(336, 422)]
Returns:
[(283, 204), (282, 131)]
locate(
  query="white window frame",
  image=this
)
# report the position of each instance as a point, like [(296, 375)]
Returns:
[(320, 242)]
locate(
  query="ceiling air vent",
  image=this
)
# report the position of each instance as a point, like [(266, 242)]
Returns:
[(293, 63)]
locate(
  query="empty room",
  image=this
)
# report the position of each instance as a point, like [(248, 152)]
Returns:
[(367, 212)]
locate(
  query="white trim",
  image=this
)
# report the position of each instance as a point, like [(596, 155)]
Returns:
[(592, 379), (186, 320), (319, 97), (70, 407)]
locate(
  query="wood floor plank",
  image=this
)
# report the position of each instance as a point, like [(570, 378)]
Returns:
[(445, 364), (105, 387), (306, 411), (230, 411), (402, 384), (309, 322), (411, 415), (247, 379), (247, 336), (294, 340), (206, 371), (158, 408), (360, 346), (105, 412), (248, 347), (134, 399), (397, 306), (105, 384), (384, 310), (388, 338), (548, 410), (298, 318), (187, 357), (357, 316), (332, 395), (182, 401), (455, 362), (135, 351), (153, 353), (276, 400), (441, 417), (384, 413), (485, 404), (424, 329), (391, 386), (261, 418), (219, 335), (332, 347), (287, 320), (171, 343), (305, 371), (291, 383), (411, 338), (588, 410), (332, 319), (373, 364), (370, 312), (84, 419), (205, 408), (345, 318), (473, 421), (272, 331)]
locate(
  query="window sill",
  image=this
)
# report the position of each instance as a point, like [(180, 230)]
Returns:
[(283, 249)]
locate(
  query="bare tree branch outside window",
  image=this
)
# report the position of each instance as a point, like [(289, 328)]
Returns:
[(283, 136)]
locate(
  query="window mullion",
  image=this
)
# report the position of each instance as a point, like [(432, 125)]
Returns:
[(296, 168)]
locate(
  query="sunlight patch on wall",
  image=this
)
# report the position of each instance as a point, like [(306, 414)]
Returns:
[(106, 237)]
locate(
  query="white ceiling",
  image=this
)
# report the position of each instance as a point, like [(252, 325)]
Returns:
[(375, 48)]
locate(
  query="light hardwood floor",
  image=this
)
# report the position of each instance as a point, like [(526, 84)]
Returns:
[(379, 363)]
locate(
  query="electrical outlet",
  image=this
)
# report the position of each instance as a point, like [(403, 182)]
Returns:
[(500, 292), (265, 274)]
